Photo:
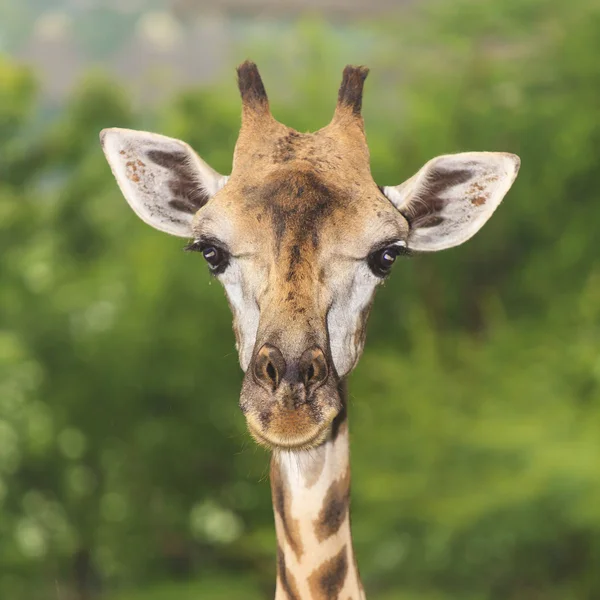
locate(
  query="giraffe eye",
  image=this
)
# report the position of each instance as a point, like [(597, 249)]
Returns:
[(382, 260), (213, 256), (216, 257)]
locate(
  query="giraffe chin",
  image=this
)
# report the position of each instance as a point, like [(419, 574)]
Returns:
[(303, 439)]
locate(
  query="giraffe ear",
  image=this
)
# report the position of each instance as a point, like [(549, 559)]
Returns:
[(164, 181), (452, 197)]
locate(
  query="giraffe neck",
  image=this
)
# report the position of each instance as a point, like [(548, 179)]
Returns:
[(311, 497)]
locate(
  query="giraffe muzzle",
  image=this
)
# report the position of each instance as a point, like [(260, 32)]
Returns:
[(290, 403)]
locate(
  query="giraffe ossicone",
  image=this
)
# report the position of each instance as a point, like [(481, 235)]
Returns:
[(300, 236)]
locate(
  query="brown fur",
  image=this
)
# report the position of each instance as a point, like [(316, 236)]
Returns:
[(425, 211), (335, 508), (187, 195), (286, 579), (326, 581), (351, 90), (251, 87), (313, 473)]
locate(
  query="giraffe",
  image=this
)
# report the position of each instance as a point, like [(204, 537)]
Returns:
[(300, 236)]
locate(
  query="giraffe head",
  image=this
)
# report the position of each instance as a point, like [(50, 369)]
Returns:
[(300, 236)]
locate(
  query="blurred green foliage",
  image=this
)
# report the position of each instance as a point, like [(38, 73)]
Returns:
[(125, 469)]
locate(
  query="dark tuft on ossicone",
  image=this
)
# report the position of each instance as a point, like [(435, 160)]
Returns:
[(251, 86), (351, 90)]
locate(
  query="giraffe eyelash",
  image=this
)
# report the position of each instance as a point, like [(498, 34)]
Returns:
[(199, 244), (400, 246), (194, 246)]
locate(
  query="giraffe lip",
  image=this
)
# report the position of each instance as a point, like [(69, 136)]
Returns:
[(276, 423), (315, 438)]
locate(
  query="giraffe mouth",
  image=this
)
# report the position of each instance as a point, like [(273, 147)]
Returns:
[(289, 416), (309, 436)]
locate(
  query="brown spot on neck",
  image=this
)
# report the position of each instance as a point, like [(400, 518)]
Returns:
[(326, 581), (335, 508), (286, 579), (314, 471)]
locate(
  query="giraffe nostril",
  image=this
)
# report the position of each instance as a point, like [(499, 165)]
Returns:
[(272, 373), (313, 367), (269, 367)]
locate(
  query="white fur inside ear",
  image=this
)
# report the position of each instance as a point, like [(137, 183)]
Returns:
[(453, 196), (164, 181)]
